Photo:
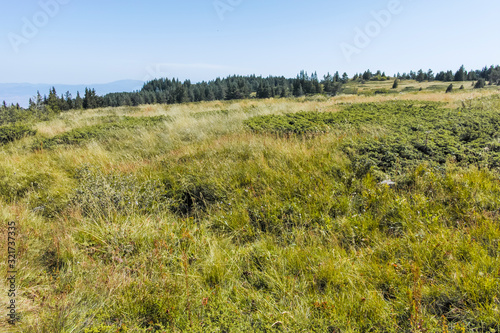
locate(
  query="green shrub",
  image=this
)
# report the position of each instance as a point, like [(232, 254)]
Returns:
[(481, 83), (191, 193), (417, 132), (298, 123), (15, 132)]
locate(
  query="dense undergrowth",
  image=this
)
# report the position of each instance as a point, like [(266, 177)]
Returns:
[(410, 133), (283, 227), (11, 133)]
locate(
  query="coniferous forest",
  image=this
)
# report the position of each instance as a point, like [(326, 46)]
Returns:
[(172, 91)]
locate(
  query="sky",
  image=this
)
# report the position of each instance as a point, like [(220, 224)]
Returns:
[(80, 42)]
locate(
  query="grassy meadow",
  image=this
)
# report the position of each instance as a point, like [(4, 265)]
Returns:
[(260, 215)]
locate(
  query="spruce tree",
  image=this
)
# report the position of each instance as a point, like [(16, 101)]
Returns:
[(420, 76), (461, 74), (78, 101), (53, 101), (450, 88), (395, 84), (68, 101)]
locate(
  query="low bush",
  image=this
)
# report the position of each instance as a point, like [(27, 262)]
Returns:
[(298, 123), (415, 132), (15, 132), (191, 193)]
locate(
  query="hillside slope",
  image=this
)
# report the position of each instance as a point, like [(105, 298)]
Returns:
[(259, 215)]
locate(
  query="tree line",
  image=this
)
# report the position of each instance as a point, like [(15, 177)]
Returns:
[(171, 91)]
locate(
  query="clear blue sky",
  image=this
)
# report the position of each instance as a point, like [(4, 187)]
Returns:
[(102, 41)]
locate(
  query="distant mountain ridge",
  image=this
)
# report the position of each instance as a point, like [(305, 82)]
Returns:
[(22, 92)]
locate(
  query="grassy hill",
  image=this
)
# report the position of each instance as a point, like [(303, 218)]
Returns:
[(260, 215)]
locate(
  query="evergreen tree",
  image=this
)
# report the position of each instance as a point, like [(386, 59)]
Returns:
[(336, 77), (430, 75), (90, 100), (330, 85), (264, 90), (233, 92), (395, 84), (78, 101), (450, 88), (181, 94), (345, 78), (481, 83), (68, 101), (448, 76), (297, 88), (495, 76), (420, 76), (461, 74), (53, 103), (367, 75)]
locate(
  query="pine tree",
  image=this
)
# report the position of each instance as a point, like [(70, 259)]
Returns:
[(395, 84), (450, 88)]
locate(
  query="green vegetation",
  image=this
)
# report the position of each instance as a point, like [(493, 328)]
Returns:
[(260, 216), (173, 91), (11, 133), (100, 131), (481, 83)]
